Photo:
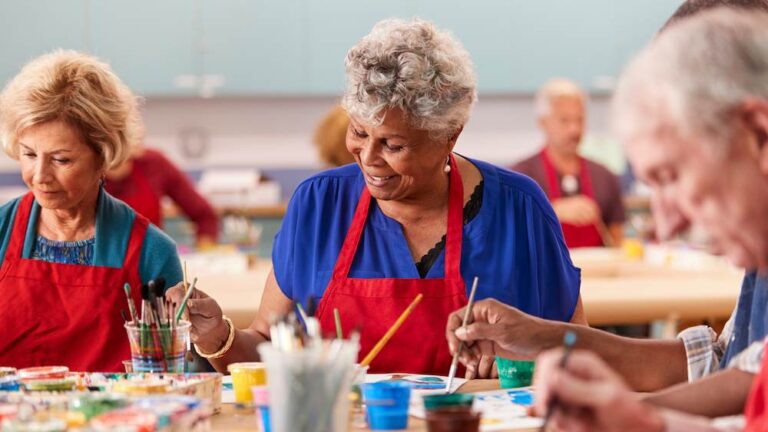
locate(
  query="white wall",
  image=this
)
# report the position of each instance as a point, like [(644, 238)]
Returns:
[(276, 132)]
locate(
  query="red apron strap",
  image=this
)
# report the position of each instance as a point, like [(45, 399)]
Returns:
[(135, 241), (454, 231), (585, 180), (553, 186), (348, 249), (20, 224), (453, 234)]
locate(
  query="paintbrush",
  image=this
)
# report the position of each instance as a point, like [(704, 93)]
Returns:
[(569, 340), (185, 299), (388, 335), (467, 316), (337, 320), (131, 306)]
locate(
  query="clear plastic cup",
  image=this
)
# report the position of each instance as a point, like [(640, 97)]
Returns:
[(159, 350), (309, 388)]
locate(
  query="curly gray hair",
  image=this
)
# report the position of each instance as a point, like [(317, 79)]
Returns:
[(413, 66), (691, 78)]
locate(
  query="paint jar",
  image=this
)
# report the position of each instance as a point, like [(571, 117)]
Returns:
[(158, 350), (438, 401), (453, 419), (9, 383), (514, 373), (387, 404), (244, 377), (261, 402), (309, 388), (5, 371)]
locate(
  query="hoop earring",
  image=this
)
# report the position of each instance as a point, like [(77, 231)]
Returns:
[(447, 168)]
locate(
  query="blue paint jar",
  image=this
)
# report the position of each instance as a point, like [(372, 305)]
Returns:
[(387, 404)]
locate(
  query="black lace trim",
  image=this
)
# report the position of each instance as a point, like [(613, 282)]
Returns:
[(471, 209)]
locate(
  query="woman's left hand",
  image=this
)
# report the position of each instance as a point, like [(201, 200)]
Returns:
[(483, 369)]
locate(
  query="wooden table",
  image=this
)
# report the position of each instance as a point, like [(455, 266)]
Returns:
[(233, 421), (623, 293)]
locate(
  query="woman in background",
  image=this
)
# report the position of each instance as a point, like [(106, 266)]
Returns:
[(67, 247), (147, 176), (331, 138)]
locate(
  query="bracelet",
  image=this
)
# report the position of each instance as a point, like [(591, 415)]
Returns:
[(227, 344)]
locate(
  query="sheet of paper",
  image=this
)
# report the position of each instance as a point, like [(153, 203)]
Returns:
[(227, 392)]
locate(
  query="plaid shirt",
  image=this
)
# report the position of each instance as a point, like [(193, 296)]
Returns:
[(704, 349)]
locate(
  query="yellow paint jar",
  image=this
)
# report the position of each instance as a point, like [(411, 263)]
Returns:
[(245, 376)]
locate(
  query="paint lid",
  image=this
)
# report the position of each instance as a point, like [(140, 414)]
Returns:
[(133, 419), (141, 387), (43, 372), (246, 366), (5, 371), (64, 384)]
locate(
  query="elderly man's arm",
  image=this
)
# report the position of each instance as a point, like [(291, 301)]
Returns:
[(720, 394), (499, 329)]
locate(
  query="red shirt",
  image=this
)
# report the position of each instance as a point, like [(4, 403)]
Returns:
[(165, 179)]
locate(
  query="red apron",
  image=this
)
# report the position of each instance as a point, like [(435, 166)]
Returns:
[(140, 196), (419, 346), (756, 410), (575, 236), (65, 314)]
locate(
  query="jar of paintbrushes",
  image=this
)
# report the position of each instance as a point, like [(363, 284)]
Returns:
[(159, 339), (309, 377)]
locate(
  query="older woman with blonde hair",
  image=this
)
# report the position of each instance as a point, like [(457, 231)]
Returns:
[(410, 217), (67, 247)]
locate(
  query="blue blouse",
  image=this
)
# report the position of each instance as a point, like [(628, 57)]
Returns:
[(64, 252), (514, 245)]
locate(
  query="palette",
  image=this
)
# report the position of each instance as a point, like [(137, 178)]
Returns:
[(147, 402)]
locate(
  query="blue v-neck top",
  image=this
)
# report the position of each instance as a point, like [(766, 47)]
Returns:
[(514, 244)]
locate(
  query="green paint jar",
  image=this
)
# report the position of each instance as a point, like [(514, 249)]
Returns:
[(514, 373)]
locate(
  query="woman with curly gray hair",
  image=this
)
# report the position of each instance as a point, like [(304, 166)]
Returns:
[(409, 217)]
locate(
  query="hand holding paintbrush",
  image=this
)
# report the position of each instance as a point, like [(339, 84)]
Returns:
[(465, 321)]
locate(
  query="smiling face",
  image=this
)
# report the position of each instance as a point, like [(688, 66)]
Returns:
[(60, 169), (723, 194), (398, 161)]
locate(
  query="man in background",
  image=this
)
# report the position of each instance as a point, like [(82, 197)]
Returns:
[(585, 195)]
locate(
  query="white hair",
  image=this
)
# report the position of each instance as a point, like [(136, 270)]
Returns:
[(691, 78), (413, 66), (554, 88)]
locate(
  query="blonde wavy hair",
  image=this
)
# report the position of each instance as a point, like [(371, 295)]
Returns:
[(413, 66), (80, 90)]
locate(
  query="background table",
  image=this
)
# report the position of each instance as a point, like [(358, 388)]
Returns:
[(614, 291)]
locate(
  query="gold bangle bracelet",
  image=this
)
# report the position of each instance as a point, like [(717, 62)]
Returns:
[(227, 345)]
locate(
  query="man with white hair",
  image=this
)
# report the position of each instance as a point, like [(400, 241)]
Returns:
[(585, 195), (692, 111)]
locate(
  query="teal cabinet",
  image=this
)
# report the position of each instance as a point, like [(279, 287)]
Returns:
[(333, 27), (297, 47), (152, 45), (34, 28), (255, 46)]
